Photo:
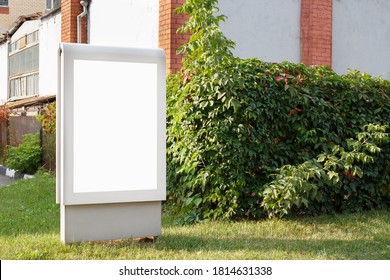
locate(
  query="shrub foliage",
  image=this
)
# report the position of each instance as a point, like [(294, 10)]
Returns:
[(326, 184), (48, 118), (233, 122), (25, 158)]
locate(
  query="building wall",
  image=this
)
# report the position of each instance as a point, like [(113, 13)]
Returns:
[(269, 30), (18, 8), (25, 61), (49, 41), (361, 36), (127, 23), (26, 28), (294, 30), (3, 72)]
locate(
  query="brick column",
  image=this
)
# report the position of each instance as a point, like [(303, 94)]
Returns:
[(169, 40), (4, 10), (70, 9), (316, 32)]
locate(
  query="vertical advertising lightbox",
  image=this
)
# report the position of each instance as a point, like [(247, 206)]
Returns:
[(110, 142)]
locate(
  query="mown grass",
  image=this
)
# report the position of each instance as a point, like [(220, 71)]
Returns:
[(29, 229)]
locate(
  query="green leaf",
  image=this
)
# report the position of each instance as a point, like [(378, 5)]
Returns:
[(332, 174), (197, 201), (189, 201), (235, 104), (321, 157)]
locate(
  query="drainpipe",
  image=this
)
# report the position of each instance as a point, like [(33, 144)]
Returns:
[(83, 14)]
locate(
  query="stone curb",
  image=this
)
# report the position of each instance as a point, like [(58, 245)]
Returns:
[(14, 174)]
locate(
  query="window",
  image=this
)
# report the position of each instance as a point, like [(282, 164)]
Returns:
[(24, 66), (52, 4), (4, 3), (24, 41), (24, 61), (24, 86)]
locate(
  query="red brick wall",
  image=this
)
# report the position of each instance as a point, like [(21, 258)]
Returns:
[(316, 32), (70, 9), (4, 10), (169, 40)]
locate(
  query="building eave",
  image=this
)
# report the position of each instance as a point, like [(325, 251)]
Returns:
[(30, 101), (21, 19)]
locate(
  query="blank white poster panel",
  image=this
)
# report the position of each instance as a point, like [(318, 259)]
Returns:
[(112, 124), (121, 130)]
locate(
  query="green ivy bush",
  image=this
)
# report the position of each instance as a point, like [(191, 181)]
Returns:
[(25, 158), (233, 122), (327, 182)]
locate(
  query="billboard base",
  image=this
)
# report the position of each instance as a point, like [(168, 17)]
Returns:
[(110, 221)]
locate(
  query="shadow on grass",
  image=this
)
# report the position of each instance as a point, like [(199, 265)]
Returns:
[(260, 248), (219, 244), (350, 236)]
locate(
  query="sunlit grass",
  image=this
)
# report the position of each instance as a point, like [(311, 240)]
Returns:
[(29, 229)]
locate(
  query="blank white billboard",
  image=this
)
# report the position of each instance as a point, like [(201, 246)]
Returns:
[(111, 125)]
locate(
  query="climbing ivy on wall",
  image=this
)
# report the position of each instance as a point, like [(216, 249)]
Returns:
[(232, 123)]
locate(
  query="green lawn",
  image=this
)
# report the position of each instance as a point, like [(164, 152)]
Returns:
[(29, 229)]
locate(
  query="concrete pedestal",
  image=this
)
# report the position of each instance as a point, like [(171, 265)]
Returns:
[(110, 221)]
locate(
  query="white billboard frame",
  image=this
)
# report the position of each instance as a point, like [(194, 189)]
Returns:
[(79, 63)]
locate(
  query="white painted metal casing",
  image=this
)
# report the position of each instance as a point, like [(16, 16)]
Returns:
[(111, 125)]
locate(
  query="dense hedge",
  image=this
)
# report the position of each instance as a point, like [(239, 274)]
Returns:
[(231, 123)]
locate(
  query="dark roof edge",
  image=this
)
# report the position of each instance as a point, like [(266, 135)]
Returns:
[(17, 24)]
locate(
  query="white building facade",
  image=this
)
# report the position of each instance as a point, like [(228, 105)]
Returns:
[(342, 34)]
